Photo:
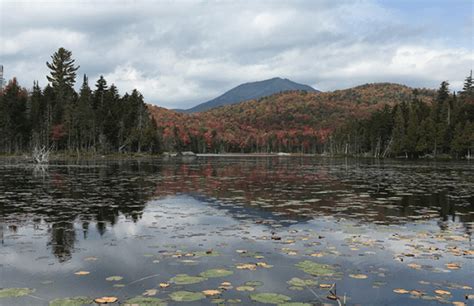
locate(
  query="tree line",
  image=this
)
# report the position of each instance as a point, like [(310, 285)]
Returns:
[(59, 118), (414, 128), (378, 120)]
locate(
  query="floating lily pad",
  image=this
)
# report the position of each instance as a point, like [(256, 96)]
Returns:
[(15, 292), (254, 283), (216, 273), (270, 298), (145, 301), (72, 301), (114, 278), (315, 269), (184, 279), (295, 281), (245, 288), (187, 296)]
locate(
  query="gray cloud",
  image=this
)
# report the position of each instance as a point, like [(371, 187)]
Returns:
[(179, 53)]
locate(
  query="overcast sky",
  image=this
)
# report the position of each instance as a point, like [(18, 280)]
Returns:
[(180, 53)]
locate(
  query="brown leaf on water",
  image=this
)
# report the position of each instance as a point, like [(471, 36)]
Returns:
[(442, 292), (246, 266), (82, 272), (325, 286), (414, 266), (453, 266), (106, 300), (211, 292), (401, 291), (358, 276), (164, 285), (459, 304), (416, 293)]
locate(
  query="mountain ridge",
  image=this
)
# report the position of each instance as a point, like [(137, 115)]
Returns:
[(250, 91)]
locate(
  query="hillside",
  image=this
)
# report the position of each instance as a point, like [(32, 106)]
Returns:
[(249, 91), (291, 121)]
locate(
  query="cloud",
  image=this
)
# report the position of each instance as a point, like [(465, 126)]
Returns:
[(179, 53)]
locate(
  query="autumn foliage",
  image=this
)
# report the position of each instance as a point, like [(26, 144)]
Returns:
[(288, 122)]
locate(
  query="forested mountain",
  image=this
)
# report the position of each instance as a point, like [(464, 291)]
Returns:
[(249, 91), (373, 119)]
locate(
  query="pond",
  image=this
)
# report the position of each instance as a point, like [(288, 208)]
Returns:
[(237, 231)]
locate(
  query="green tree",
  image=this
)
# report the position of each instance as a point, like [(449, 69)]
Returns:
[(63, 69)]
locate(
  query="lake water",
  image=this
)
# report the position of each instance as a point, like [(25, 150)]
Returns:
[(384, 232)]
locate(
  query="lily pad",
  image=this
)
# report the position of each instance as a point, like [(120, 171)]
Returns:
[(72, 301), (184, 279), (270, 298), (315, 269), (254, 283), (114, 278), (294, 304), (187, 296), (15, 292), (216, 273), (145, 301), (245, 288), (298, 282)]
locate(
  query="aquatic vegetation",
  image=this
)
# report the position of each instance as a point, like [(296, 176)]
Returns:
[(315, 269), (15, 292), (245, 288), (211, 292), (187, 296), (298, 282), (184, 279), (145, 301), (106, 300), (270, 298), (114, 278), (211, 273), (72, 301)]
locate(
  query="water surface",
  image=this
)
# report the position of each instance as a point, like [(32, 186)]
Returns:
[(376, 226)]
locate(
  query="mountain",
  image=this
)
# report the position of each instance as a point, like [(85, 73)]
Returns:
[(293, 121), (250, 91)]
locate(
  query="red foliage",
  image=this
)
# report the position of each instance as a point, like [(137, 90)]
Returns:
[(291, 121), (58, 132)]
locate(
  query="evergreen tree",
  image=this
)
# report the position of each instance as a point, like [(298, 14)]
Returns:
[(63, 70)]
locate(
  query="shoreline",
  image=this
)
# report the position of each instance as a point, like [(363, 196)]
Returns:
[(137, 156)]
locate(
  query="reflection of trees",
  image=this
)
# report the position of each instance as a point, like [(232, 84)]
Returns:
[(283, 188), (69, 195), (63, 236), (340, 189)]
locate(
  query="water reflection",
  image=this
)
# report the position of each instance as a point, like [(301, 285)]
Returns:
[(285, 190)]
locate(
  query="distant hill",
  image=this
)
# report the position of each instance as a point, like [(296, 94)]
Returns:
[(290, 121), (250, 91)]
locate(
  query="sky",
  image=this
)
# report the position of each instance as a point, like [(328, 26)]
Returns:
[(180, 53)]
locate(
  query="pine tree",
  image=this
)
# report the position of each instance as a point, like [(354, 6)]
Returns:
[(63, 70)]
